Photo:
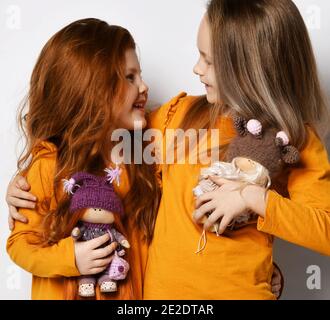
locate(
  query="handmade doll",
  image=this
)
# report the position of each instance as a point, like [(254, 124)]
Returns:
[(98, 206), (255, 156)]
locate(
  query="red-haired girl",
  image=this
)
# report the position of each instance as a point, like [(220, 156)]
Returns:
[(86, 83)]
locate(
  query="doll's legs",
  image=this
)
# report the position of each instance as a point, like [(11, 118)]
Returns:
[(106, 283), (86, 286)]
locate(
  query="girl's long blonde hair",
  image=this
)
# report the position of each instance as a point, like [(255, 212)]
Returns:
[(265, 68)]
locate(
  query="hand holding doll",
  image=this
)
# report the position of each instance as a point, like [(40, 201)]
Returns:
[(254, 158), (99, 210)]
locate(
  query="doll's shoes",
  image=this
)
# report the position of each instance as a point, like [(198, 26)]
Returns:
[(87, 290), (108, 286)]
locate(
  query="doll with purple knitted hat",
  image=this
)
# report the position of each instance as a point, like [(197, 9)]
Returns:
[(94, 199), (255, 156)]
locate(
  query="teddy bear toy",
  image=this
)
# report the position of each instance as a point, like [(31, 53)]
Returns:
[(256, 156)]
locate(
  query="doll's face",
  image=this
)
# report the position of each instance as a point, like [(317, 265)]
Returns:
[(96, 215), (245, 164)]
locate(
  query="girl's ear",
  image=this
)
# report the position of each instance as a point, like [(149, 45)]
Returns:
[(290, 155), (240, 125)]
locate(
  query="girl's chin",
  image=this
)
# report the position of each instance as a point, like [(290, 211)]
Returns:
[(134, 123), (210, 98), (138, 123)]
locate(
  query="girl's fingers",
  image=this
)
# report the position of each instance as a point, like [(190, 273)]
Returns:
[(11, 223), (102, 262), (125, 244), (105, 252), (276, 288), (204, 209), (16, 215), (22, 183), (219, 181), (276, 279), (19, 203), (204, 198), (18, 193), (97, 242), (212, 219), (23, 195), (224, 224)]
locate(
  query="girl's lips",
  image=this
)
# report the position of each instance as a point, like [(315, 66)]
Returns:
[(206, 85), (139, 105)]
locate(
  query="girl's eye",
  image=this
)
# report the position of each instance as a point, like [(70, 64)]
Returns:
[(208, 63), (130, 77)]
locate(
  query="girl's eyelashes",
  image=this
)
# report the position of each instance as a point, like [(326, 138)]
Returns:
[(130, 77), (208, 62)]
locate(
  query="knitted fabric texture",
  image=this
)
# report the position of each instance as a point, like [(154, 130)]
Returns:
[(265, 148), (95, 192)]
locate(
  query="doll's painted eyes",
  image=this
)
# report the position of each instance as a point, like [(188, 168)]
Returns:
[(97, 209)]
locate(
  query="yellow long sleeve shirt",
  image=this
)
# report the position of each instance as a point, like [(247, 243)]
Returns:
[(50, 265), (237, 265)]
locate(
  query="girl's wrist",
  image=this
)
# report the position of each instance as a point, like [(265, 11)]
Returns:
[(255, 198)]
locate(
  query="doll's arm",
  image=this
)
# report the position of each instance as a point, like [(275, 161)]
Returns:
[(23, 245), (120, 238)]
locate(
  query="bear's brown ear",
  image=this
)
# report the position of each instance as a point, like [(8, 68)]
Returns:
[(290, 155), (240, 125), (278, 142)]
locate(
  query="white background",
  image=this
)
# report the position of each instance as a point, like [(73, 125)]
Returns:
[(166, 35)]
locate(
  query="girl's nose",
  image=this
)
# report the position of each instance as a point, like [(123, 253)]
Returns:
[(197, 69), (143, 88)]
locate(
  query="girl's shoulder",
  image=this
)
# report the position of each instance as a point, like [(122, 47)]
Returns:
[(41, 171), (44, 148), (161, 117), (314, 152)]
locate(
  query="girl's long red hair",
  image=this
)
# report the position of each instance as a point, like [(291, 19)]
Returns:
[(76, 87)]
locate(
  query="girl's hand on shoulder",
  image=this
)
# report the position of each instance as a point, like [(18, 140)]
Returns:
[(90, 258), (18, 197), (277, 282)]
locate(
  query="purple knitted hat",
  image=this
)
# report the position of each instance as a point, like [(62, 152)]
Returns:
[(90, 191)]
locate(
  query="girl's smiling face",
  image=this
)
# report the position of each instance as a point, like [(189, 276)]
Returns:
[(205, 66), (133, 108)]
